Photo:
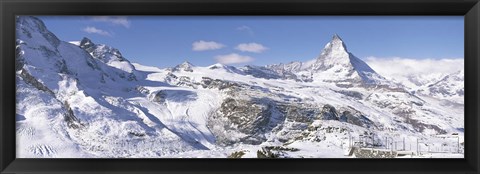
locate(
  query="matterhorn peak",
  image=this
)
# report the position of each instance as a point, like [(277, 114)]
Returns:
[(336, 43), (336, 37), (335, 62), (334, 53)]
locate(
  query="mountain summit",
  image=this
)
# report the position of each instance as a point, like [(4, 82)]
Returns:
[(334, 64), (86, 43), (337, 64), (333, 54)]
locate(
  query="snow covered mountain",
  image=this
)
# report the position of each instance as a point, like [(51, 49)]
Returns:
[(225, 68), (335, 61), (185, 66), (75, 102), (450, 87), (336, 65), (83, 99)]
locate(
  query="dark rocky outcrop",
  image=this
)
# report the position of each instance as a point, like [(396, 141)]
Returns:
[(69, 116), (328, 113), (19, 59), (352, 94), (356, 118), (420, 127), (266, 153), (299, 113), (237, 154), (217, 83), (250, 119), (159, 97), (29, 79)]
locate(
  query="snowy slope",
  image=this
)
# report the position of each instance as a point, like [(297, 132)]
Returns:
[(82, 99), (99, 115)]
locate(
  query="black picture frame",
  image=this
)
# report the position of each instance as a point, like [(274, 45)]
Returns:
[(470, 9)]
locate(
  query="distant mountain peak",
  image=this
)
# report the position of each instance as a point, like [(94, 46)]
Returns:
[(185, 66), (86, 43), (107, 54), (187, 63), (226, 68), (335, 63), (216, 66)]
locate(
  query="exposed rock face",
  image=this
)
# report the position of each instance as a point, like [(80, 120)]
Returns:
[(70, 119), (87, 44), (29, 79), (329, 113), (159, 97), (420, 127), (249, 117), (111, 56), (261, 72), (368, 153), (267, 153), (217, 83), (298, 113), (255, 117), (353, 94), (356, 118), (19, 60), (102, 52)]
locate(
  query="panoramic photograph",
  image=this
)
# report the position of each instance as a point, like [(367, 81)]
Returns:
[(239, 87)]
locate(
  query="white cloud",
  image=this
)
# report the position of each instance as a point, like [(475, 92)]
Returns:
[(401, 69), (397, 65), (93, 30), (233, 58), (246, 29), (116, 20), (206, 45), (251, 47)]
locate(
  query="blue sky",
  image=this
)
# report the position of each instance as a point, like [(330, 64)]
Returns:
[(165, 41)]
